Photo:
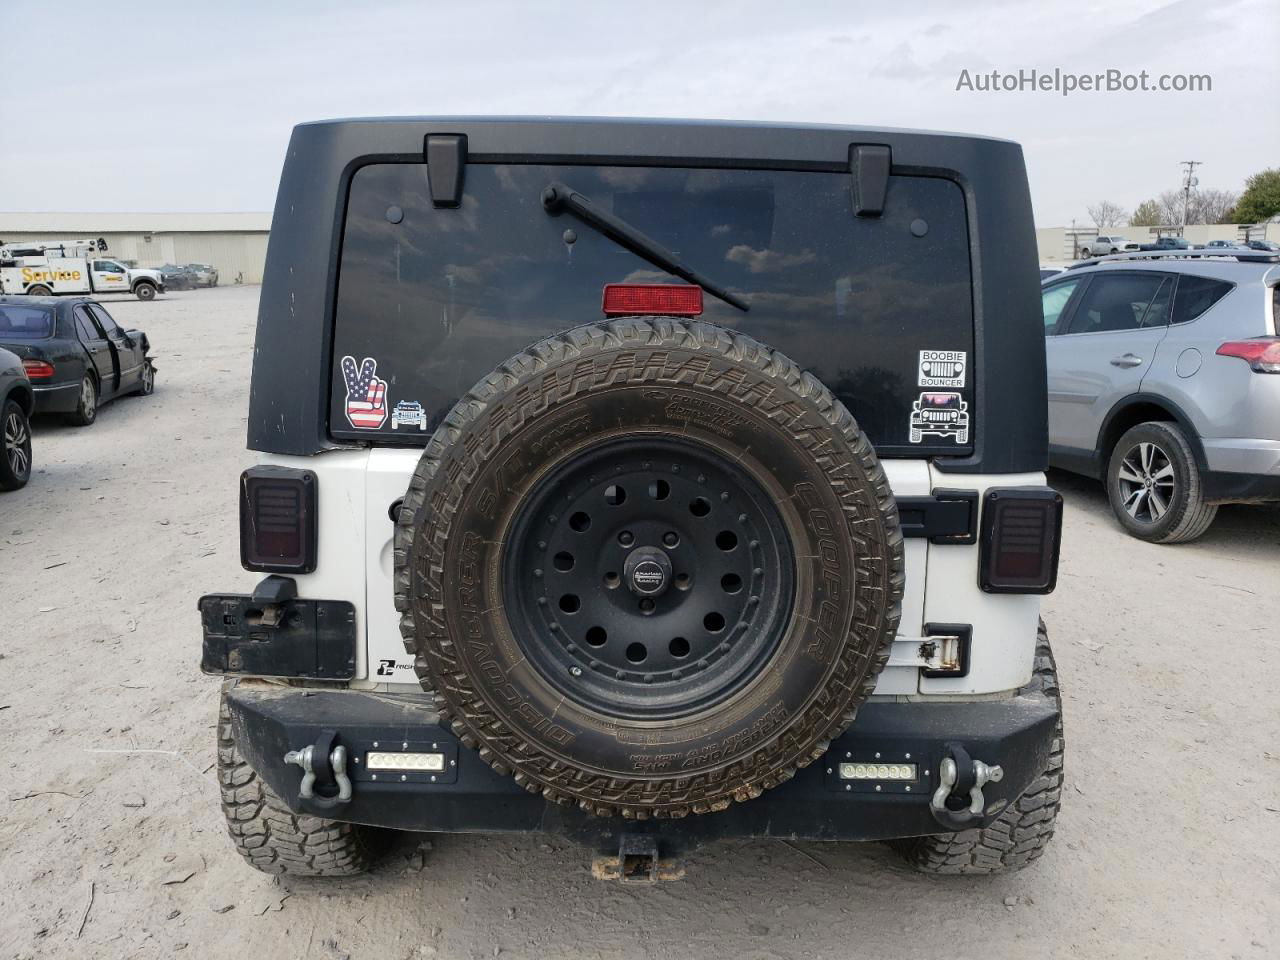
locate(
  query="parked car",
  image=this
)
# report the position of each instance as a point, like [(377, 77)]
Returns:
[(1220, 245), (1102, 245), (1165, 243), (1267, 246), (75, 354), (206, 275), (1049, 270), (1164, 383), (17, 402), (177, 277), (651, 565)]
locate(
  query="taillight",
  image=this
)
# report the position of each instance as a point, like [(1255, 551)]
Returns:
[(278, 520), (1021, 532), (1262, 353), (37, 369), (664, 299)]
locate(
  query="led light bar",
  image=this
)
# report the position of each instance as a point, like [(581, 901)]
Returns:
[(878, 771), (411, 762)]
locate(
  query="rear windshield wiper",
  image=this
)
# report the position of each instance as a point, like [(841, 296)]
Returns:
[(557, 197)]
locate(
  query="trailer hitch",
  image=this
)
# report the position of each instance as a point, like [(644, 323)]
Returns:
[(958, 802), (323, 762)]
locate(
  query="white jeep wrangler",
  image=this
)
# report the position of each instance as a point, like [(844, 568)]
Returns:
[(657, 572)]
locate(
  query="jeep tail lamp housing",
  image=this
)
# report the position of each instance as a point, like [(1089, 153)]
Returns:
[(278, 520), (1020, 539)]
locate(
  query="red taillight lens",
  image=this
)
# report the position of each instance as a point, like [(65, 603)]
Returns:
[(1021, 531), (278, 520), (664, 299), (1262, 354), (37, 369)]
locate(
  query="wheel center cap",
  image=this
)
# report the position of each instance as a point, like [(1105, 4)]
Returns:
[(647, 571)]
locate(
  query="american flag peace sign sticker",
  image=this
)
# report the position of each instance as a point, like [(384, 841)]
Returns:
[(366, 406)]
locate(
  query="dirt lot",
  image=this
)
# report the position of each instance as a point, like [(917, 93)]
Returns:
[(112, 844)]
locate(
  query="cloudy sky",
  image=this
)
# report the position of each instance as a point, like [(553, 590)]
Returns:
[(189, 107)]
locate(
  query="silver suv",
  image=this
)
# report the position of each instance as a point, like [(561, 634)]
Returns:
[(1164, 382)]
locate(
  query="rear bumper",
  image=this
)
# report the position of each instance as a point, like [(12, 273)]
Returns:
[(1242, 469), (470, 797), (57, 398)]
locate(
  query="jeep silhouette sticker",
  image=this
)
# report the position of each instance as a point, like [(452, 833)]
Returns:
[(943, 368), (940, 415)]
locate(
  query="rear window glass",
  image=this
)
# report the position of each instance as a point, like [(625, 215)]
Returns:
[(25, 323), (431, 299), (1196, 295)]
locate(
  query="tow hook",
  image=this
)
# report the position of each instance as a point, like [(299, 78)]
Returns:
[(326, 763), (958, 802)]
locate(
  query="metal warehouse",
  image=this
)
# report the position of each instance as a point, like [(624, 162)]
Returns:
[(234, 243)]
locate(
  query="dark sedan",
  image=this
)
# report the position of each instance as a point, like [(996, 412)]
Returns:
[(76, 356), (16, 404), (178, 278)]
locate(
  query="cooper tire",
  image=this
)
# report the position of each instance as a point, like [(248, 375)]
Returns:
[(1023, 830), (698, 391), (1158, 452), (274, 839), (15, 446)]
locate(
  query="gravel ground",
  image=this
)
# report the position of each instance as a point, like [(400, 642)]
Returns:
[(112, 843)]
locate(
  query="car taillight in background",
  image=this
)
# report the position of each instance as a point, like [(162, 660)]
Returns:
[(37, 369), (278, 520), (663, 299), (1262, 353), (1021, 536)]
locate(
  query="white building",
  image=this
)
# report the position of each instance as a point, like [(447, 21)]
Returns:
[(235, 243)]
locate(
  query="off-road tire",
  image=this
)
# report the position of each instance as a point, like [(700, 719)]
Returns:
[(1021, 833), (1188, 516), (274, 839), (86, 411), (549, 404)]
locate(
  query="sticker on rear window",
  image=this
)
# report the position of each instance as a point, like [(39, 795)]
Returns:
[(942, 368), (366, 405), (944, 415)]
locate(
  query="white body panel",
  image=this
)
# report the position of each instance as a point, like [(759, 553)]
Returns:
[(355, 563), (72, 275)]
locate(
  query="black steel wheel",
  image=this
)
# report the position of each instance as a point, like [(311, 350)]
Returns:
[(650, 577), (648, 566)]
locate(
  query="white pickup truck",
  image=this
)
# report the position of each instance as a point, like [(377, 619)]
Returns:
[(73, 267)]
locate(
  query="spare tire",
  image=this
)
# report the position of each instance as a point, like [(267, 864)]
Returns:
[(649, 566)]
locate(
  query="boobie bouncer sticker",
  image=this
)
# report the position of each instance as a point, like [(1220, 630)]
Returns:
[(366, 406), (943, 368)]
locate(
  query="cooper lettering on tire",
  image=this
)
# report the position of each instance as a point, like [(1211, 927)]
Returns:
[(649, 566)]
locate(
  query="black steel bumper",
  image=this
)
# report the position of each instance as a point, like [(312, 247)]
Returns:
[(469, 797)]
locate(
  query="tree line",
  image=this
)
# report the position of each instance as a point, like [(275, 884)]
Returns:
[(1259, 201)]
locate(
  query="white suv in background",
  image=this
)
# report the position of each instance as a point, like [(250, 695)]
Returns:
[(1164, 383)]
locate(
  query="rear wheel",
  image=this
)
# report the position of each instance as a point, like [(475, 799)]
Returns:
[(1154, 485), (87, 404), (15, 464), (677, 564), (1020, 834), (39, 290), (274, 839)]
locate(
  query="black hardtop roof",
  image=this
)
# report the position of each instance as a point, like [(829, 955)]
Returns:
[(289, 391)]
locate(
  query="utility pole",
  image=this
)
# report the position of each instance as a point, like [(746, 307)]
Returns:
[(1188, 182)]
